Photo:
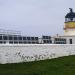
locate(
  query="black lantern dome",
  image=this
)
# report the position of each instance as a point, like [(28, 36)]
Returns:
[(70, 16)]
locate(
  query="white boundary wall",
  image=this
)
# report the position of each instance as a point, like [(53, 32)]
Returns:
[(10, 53)]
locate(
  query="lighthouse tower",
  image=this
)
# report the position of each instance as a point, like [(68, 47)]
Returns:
[(69, 28)]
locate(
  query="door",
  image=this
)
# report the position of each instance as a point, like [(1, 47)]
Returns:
[(70, 41)]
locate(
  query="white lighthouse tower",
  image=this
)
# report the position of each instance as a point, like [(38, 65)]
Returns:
[(69, 28)]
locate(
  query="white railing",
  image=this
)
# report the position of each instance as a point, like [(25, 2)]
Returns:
[(10, 32)]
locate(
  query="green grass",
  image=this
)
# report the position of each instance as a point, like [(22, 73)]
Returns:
[(59, 66)]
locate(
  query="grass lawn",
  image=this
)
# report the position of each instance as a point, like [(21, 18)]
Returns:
[(59, 66)]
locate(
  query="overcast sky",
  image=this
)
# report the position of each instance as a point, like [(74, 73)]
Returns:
[(34, 17)]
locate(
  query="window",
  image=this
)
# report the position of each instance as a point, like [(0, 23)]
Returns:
[(46, 37), (43, 37), (10, 38), (15, 38), (50, 41), (5, 37), (44, 41), (32, 38), (57, 43), (20, 38), (28, 38), (24, 38), (11, 42), (15, 42), (29, 42), (24, 42), (36, 42), (47, 41), (1, 42), (36, 38), (33, 42), (4, 42), (56, 39), (20, 42), (0, 37)]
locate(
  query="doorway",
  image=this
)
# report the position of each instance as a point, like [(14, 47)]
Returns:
[(70, 41)]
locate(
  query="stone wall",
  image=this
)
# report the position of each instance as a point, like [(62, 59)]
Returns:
[(33, 52)]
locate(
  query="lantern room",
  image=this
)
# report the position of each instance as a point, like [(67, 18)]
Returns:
[(70, 17)]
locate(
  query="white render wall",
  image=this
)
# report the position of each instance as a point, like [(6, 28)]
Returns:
[(68, 39), (69, 32), (33, 52)]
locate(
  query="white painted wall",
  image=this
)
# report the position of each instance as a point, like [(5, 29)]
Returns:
[(69, 32), (68, 39), (33, 52)]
